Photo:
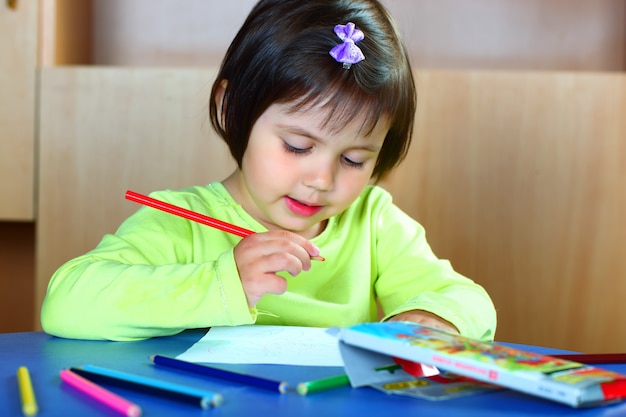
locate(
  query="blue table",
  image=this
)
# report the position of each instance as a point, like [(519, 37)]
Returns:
[(45, 356)]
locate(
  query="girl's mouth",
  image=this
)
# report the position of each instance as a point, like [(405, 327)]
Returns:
[(301, 209)]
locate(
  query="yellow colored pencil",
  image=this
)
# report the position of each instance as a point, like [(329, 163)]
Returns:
[(29, 403)]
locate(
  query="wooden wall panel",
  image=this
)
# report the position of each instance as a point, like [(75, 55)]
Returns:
[(18, 58), (518, 178), (106, 130)]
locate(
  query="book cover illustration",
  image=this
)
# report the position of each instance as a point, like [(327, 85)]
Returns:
[(367, 346), (442, 386)]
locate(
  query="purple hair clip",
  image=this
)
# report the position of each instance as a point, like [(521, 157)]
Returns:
[(347, 52)]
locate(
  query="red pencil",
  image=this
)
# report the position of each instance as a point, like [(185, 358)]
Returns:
[(187, 214), (192, 215)]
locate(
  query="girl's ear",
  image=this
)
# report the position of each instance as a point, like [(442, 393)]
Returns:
[(220, 92)]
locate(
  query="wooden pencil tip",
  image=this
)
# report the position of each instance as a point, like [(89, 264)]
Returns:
[(301, 388)]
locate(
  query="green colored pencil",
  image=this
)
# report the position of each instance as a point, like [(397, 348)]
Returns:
[(336, 381), (305, 388)]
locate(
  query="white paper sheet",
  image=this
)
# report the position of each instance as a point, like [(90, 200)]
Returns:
[(259, 344)]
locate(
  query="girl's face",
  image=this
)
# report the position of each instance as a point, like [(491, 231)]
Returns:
[(296, 172)]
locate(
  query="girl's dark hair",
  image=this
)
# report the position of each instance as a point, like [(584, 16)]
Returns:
[(281, 55)]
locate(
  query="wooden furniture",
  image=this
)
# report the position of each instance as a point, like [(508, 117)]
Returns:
[(517, 177), (18, 63), (28, 38), (106, 130)]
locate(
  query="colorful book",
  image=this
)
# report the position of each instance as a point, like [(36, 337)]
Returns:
[(369, 346)]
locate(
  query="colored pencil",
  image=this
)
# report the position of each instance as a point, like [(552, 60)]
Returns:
[(27, 394), (187, 214), (256, 381), (308, 387), (593, 358), (100, 394), (336, 381), (193, 216), (203, 398)]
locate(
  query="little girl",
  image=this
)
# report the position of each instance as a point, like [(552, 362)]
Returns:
[(316, 102)]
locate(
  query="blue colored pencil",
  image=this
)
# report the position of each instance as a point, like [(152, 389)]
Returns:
[(203, 398), (220, 373)]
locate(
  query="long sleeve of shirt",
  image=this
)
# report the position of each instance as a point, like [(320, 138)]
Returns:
[(160, 274)]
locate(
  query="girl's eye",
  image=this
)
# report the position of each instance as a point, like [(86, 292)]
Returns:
[(293, 149), (304, 151), (352, 163)]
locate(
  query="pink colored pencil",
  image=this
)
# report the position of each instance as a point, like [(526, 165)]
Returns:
[(193, 216), (100, 394)]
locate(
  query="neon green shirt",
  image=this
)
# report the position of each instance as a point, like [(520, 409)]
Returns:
[(160, 274)]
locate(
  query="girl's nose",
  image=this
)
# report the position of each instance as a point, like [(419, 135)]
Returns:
[(321, 176)]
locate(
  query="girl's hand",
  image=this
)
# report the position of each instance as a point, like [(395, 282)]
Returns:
[(261, 255), (425, 318)]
